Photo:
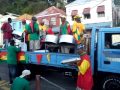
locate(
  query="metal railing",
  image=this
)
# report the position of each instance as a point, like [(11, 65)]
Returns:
[(39, 80)]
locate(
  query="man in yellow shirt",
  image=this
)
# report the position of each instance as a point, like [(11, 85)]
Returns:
[(78, 29), (42, 26), (43, 30)]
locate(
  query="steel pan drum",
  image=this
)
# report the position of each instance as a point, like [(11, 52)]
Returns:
[(17, 34), (66, 39), (51, 39)]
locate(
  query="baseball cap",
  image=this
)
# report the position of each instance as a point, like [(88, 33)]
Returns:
[(77, 16), (25, 73)]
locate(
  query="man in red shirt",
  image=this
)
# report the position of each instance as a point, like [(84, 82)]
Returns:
[(7, 32), (49, 31)]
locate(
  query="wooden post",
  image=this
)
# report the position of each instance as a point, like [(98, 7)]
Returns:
[(37, 82)]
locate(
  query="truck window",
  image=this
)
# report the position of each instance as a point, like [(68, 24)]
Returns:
[(112, 40)]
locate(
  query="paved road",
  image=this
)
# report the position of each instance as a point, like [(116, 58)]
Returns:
[(58, 78)]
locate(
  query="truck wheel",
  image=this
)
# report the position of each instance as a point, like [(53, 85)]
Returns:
[(111, 83)]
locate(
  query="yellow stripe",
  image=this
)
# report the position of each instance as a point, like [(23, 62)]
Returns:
[(3, 58), (84, 67), (76, 36), (22, 58)]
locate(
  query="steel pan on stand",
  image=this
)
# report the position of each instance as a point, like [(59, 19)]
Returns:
[(66, 39), (53, 39), (51, 42), (67, 43), (17, 35)]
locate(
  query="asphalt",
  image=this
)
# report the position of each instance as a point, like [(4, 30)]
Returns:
[(60, 81)]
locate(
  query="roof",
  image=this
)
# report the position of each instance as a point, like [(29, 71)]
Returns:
[(81, 2), (24, 16), (76, 2), (5, 18), (50, 11)]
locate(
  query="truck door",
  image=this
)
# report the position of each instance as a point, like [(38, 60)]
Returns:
[(109, 50)]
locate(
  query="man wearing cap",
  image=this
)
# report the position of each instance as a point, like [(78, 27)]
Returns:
[(85, 79), (21, 82), (33, 31), (12, 60), (64, 30), (65, 26), (78, 29)]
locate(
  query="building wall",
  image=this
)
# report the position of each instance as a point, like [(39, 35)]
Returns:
[(93, 4), (116, 16), (47, 19)]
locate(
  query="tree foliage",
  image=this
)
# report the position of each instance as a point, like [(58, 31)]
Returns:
[(28, 6)]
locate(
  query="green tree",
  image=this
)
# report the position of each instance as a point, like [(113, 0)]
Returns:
[(28, 6)]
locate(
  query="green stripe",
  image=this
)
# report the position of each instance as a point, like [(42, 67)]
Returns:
[(78, 37)]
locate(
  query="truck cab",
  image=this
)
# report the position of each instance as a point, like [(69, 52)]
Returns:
[(105, 57)]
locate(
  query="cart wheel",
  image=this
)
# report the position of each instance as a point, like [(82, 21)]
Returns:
[(111, 83)]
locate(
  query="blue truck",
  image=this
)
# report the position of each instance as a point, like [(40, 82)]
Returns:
[(104, 46), (104, 55)]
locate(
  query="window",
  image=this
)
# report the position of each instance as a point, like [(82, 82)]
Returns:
[(46, 22), (112, 40), (74, 13), (101, 11), (86, 16), (86, 13), (101, 14), (53, 21)]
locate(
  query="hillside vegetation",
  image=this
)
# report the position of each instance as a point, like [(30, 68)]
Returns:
[(27, 6)]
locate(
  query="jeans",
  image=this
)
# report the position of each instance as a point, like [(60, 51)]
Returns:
[(12, 72), (6, 41)]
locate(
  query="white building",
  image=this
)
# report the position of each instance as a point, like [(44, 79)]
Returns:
[(95, 13)]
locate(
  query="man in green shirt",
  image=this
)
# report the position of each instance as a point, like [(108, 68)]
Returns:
[(12, 60), (21, 83), (65, 30), (33, 30)]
